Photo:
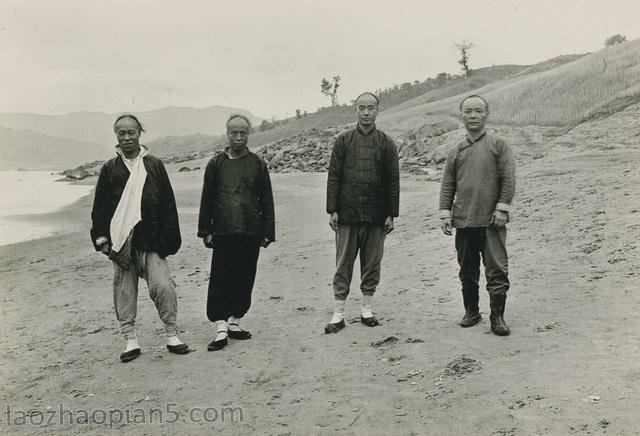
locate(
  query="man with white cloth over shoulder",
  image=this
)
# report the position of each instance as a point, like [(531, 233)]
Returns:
[(135, 223)]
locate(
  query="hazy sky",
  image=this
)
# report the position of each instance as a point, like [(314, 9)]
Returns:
[(269, 56)]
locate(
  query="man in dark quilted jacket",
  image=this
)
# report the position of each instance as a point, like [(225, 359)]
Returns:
[(236, 219), (363, 195)]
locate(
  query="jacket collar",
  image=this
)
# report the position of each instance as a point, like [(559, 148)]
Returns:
[(471, 141), (359, 129)]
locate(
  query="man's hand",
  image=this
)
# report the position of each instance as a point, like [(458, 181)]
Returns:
[(265, 242), (105, 248), (333, 221), (445, 225), (499, 218), (388, 225), (208, 241)]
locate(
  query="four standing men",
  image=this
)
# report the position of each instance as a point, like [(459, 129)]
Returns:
[(363, 195), (135, 223), (236, 219), (480, 175), (135, 220)]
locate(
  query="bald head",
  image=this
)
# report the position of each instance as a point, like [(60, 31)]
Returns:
[(367, 98), (473, 112), (236, 120), (475, 99), (238, 129), (366, 109)]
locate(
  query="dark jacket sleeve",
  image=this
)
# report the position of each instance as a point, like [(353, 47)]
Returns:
[(393, 176), (334, 178), (448, 185), (102, 211), (506, 174), (205, 218), (170, 239), (266, 205)]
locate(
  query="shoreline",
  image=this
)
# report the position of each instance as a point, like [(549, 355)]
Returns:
[(65, 220)]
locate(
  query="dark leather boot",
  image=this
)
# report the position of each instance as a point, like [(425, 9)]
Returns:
[(498, 326), (470, 319), (472, 311)]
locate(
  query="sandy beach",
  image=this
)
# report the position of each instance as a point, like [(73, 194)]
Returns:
[(569, 367)]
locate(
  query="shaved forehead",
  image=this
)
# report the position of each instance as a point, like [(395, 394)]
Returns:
[(126, 123), (236, 122), (367, 99), (474, 100)]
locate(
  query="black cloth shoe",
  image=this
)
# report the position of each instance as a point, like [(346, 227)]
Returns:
[(179, 349), (470, 319), (334, 327), (128, 356), (217, 345), (370, 321), (239, 334), (498, 326)]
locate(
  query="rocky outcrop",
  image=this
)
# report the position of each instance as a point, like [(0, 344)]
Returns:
[(306, 151), (310, 150), (83, 171)]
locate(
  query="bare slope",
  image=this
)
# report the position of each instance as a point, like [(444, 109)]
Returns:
[(594, 85)]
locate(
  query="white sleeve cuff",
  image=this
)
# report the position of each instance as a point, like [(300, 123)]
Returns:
[(445, 213), (101, 240), (504, 207)]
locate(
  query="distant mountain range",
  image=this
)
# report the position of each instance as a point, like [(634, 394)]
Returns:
[(89, 134), (29, 150)]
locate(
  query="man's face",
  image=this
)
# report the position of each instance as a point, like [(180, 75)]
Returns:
[(474, 114), (367, 110), (238, 134), (128, 134)]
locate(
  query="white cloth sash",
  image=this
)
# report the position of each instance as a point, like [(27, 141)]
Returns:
[(128, 213)]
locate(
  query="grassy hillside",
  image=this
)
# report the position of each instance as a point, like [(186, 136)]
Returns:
[(395, 100), (593, 85)]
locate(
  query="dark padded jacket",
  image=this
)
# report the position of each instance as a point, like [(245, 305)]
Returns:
[(159, 230), (237, 198), (363, 184)]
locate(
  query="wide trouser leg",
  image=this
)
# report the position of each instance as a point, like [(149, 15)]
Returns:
[(469, 243), (162, 289), (371, 243), (221, 280), (346, 252), (125, 298), (246, 252), (494, 257)]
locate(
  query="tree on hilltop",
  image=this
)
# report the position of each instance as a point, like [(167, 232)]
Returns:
[(464, 48), (615, 39), (330, 88)]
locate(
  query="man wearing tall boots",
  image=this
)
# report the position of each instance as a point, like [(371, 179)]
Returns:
[(236, 219), (478, 185), (363, 195)]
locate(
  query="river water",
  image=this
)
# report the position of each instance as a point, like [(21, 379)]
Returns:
[(32, 193)]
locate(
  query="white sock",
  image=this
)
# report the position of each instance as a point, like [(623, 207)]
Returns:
[(338, 311), (221, 328), (132, 344), (366, 306), (234, 324), (173, 340)]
